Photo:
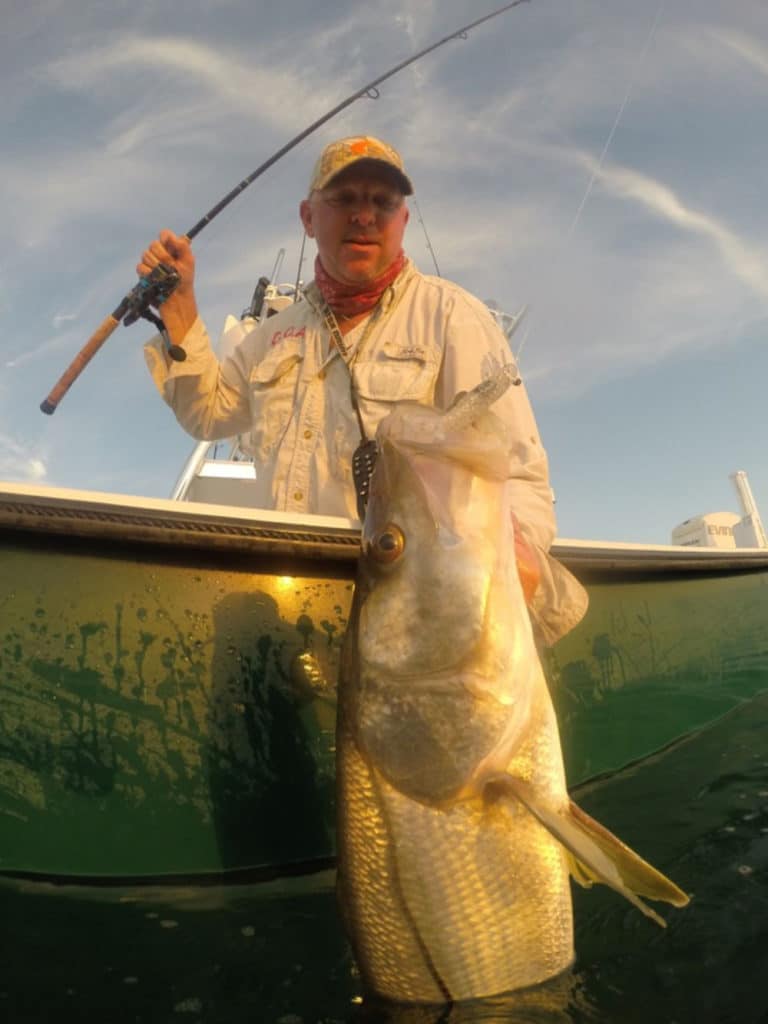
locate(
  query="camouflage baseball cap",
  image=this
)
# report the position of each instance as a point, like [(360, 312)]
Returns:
[(338, 156)]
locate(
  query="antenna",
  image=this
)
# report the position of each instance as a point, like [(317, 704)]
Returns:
[(278, 266), (751, 522), (298, 269)]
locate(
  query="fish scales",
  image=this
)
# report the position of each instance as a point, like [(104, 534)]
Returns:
[(432, 928), (456, 833)]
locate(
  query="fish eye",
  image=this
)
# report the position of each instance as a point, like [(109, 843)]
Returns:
[(387, 545)]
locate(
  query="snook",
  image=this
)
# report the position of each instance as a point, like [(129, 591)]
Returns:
[(456, 834)]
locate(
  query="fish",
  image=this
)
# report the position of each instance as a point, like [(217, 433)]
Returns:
[(456, 835)]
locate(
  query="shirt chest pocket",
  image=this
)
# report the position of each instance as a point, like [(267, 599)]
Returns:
[(273, 384), (398, 374)]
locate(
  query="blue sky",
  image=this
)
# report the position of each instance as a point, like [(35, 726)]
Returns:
[(600, 162)]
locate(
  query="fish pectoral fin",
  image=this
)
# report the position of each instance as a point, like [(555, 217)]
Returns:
[(597, 855), (579, 872)]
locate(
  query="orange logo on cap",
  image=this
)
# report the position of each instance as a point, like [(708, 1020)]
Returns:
[(359, 146)]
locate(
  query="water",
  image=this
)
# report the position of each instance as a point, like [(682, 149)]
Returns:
[(274, 953)]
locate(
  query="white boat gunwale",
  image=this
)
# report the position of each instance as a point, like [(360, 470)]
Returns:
[(100, 515)]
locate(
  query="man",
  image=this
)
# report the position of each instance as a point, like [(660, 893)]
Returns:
[(313, 380)]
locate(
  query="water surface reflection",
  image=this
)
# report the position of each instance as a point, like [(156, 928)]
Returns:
[(274, 953)]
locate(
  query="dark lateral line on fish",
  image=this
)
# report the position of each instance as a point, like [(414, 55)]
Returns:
[(234, 876), (430, 964)]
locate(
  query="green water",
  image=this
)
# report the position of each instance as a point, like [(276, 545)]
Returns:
[(274, 952)]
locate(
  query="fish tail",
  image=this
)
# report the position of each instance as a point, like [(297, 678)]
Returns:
[(597, 855)]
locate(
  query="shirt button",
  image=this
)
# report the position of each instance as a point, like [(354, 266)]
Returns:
[(298, 495), (307, 434)]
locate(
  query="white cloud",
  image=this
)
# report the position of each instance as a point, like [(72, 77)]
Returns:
[(746, 261), (71, 330), (114, 121), (63, 318), (230, 82), (744, 258), (748, 48), (19, 461)]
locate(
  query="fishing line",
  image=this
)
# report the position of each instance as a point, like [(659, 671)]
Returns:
[(370, 91), (152, 290), (615, 125), (599, 165), (426, 235)]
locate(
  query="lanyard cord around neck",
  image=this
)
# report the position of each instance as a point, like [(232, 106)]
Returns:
[(349, 357), (364, 456)]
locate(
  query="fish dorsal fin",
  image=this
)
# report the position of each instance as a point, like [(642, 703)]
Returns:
[(597, 855)]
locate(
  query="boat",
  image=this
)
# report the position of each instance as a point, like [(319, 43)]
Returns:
[(168, 667), (167, 677), (726, 529)]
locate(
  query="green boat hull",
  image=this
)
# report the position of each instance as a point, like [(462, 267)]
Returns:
[(157, 716)]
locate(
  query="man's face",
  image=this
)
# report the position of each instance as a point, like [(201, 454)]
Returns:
[(358, 222)]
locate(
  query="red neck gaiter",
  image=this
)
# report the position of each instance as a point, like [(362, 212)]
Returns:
[(350, 299)]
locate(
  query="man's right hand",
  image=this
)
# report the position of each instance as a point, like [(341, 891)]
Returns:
[(179, 311)]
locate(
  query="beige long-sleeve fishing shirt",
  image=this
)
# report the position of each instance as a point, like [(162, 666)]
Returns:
[(288, 388)]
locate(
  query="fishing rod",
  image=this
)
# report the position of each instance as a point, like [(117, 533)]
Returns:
[(154, 288)]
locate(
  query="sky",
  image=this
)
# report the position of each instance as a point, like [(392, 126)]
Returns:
[(600, 162)]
